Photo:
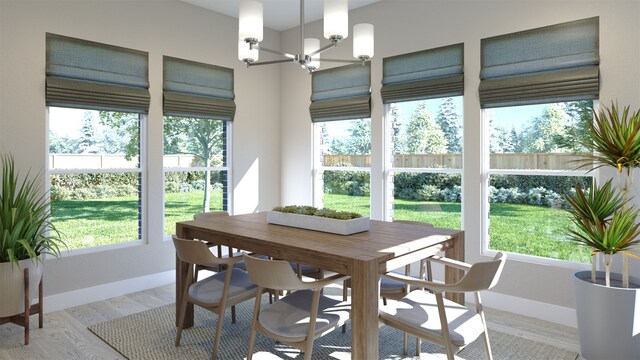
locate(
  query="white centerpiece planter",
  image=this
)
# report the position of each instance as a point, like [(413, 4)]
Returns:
[(318, 223)]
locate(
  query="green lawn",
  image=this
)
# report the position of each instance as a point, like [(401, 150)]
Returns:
[(521, 228)]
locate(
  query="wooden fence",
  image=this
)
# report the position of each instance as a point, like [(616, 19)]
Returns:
[(108, 161), (548, 161)]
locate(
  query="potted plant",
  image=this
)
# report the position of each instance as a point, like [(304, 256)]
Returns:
[(26, 235), (605, 221), (327, 220)]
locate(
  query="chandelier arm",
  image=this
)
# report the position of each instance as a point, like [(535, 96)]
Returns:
[(346, 61), (323, 49), (262, 48), (252, 63)]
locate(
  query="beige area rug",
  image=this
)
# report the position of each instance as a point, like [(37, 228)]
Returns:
[(151, 334)]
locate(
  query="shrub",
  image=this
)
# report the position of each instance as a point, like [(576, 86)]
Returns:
[(172, 187), (430, 193), (59, 193), (452, 194)]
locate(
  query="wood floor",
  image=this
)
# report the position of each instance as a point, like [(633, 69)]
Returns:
[(65, 335)]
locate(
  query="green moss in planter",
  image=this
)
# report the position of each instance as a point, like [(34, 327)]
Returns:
[(310, 210)]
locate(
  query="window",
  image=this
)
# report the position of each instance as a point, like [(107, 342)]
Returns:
[(198, 112), (425, 161), (342, 168), (423, 135), (195, 168), (341, 111), (532, 149), (96, 175), (96, 96), (537, 90)]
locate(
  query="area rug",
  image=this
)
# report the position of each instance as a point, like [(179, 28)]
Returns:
[(151, 334)]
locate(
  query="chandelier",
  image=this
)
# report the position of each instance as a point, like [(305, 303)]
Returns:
[(336, 29)]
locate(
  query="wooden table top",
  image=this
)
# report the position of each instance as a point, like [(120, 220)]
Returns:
[(384, 240)]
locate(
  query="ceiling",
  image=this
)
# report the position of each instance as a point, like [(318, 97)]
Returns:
[(278, 14)]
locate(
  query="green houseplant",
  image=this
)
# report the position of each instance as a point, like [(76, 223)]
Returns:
[(26, 234), (606, 221)]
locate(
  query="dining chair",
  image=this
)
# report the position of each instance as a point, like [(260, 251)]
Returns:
[(428, 315), (301, 316), (225, 288)]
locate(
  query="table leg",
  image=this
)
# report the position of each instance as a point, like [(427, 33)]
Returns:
[(181, 277), (455, 251), (364, 310)]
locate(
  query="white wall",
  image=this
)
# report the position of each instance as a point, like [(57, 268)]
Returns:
[(161, 28), (407, 26)]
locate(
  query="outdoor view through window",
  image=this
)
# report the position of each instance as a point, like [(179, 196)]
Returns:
[(532, 165), (95, 174)]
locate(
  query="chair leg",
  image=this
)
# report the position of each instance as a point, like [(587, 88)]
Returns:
[(344, 298), (183, 309), (254, 322), (418, 342), (216, 341), (27, 306), (233, 314), (405, 343), (384, 301), (40, 306)]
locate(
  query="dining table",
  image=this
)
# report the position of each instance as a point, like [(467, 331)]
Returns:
[(364, 256)]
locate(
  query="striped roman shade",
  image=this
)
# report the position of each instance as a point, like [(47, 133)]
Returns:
[(426, 74), (549, 64), (341, 93), (90, 75), (193, 89)]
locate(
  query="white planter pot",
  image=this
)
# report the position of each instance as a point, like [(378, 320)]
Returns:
[(12, 286), (608, 317), (334, 226)]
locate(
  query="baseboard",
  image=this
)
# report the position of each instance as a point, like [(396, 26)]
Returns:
[(530, 308), (105, 291)]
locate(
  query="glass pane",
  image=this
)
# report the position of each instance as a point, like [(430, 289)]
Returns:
[(185, 195), (426, 197), (527, 216), (96, 209), (190, 142), (427, 133), (347, 191), (540, 137), (89, 139), (345, 143)]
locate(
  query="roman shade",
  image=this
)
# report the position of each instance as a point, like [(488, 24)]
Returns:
[(90, 75), (549, 64), (426, 74), (193, 89), (341, 93)]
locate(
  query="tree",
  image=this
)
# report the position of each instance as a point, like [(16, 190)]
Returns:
[(451, 125), (123, 134), (580, 114), (359, 143), (87, 134), (546, 132), (423, 135)]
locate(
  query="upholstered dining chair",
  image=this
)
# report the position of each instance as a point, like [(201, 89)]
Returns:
[(301, 316), (225, 288), (428, 315)]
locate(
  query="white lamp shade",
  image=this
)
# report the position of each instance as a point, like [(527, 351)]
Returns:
[(336, 19), (250, 20), (363, 41), (245, 53), (311, 45)]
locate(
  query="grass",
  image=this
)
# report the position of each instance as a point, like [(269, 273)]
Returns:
[(521, 228)]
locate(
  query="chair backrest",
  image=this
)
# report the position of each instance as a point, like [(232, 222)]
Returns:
[(195, 252), (482, 275), (210, 214), (273, 274)]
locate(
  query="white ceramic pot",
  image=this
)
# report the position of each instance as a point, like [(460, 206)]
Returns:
[(608, 317), (12, 285)]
